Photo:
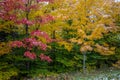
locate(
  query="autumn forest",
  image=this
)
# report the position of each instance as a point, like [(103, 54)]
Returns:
[(50, 37)]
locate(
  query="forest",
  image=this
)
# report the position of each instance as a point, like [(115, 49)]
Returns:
[(50, 37)]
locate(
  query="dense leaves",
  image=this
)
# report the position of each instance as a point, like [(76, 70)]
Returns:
[(47, 37)]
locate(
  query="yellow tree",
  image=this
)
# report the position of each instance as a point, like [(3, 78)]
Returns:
[(90, 20)]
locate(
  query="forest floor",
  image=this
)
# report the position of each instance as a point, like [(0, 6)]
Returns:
[(101, 74)]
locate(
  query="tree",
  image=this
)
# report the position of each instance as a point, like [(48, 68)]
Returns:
[(85, 23), (88, 20), (25, 17)]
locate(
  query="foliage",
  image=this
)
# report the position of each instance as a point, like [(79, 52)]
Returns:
[(7, 70), (78, 27), (85, 26), (16, 16), (4, 48)]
